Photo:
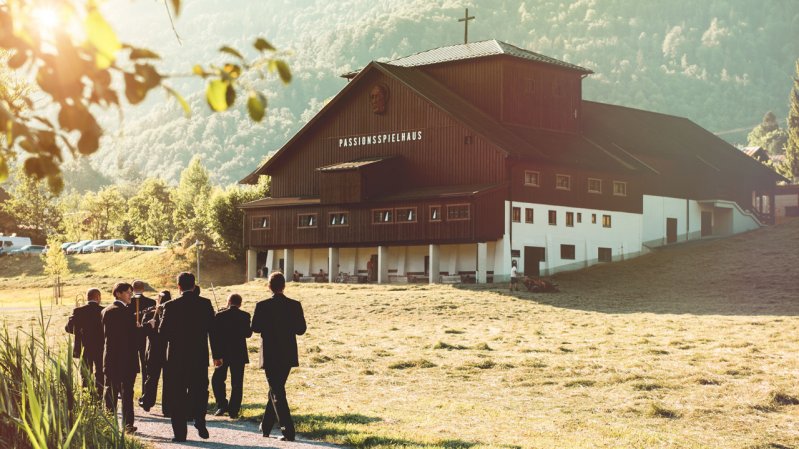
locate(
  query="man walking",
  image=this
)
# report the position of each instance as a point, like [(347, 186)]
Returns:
[(119, 356), (279, 320), (139, 304), (231, 331), (156, 356), (86, 324), (187, 324)]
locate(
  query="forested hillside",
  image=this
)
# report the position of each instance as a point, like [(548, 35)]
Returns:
[(720, 63)]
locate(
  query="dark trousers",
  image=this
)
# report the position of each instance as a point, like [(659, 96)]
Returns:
[(155, 365), (91, 369), (277, 408), (142, 349), (236, 386), (187, 395), (113, 388)]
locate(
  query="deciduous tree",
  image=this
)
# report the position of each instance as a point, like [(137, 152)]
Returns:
[(32, 204), (768, 135), (227, 220), (150, 212)]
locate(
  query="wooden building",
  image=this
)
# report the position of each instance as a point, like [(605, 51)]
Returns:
[(454, 163)]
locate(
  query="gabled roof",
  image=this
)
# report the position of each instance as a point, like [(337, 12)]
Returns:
[(476, 50), (644, 133)]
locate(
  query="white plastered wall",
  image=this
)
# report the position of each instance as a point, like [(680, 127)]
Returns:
[(658, 208)]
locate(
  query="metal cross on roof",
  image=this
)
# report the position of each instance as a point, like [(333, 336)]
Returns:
[(465, 21)]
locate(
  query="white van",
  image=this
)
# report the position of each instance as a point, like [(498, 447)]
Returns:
[(9, 242)]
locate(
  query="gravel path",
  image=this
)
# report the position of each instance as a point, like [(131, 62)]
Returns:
[(225, 433)]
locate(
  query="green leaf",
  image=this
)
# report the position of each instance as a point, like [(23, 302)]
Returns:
[(262, 44), (142, 53), (231, 51), (283, 71), (101, 36), (181, 100), (216, 93), (256, 105)]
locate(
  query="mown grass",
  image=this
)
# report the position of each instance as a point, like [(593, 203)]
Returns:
[(690, 347)]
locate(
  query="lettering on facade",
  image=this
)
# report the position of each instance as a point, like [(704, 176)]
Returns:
[(399, 137)]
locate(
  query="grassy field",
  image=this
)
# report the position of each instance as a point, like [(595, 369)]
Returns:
[(693, 346)]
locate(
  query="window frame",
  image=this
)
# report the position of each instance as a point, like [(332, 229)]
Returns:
[(406, 209), (537, 182), (314, 220), (594, 191), (338, 225), (607, 221), (529, 215), (516, 214), (383, 222), (620, 183), (568, 179), (261, 228), (552, 217), (570, 219), (468, 211), (430, 213)]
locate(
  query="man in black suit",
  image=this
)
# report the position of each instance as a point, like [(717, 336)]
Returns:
[(279, 320), (187, 324), (138, 304), (231, 331), (156, 356), (86, 323), (120, 364)]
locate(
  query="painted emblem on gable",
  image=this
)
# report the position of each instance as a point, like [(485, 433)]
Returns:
[(378, 98)]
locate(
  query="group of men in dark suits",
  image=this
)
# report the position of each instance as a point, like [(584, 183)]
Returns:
[(113, 348)]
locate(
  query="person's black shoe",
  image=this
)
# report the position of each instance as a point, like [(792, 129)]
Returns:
[(130, 429), (220, 411), (265, 433), (285, 438), (233, 415), (202, 431), (178, 440)]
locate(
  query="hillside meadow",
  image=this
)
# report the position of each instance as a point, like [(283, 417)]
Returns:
[(694, 346)]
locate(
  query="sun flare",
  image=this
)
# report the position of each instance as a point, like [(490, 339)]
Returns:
[(46, 18)]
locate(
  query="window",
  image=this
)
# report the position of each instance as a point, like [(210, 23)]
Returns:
[(516, 214), (435, 213), (306, 220), (528, 215), (570, 219), (458, 212), (593, 218), (515, 253), (532, 178), (619, 188), (406, 215), (605, 254), (594, 185), (553, 217), (339, 219), (567, 252), (382, 216), (563, 182), (579, 217), (606, 221), (263, 222)]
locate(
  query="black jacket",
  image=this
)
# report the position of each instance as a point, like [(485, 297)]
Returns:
[(186, 324), (231, 331), (86, 323), (120, 358), (279, 320)]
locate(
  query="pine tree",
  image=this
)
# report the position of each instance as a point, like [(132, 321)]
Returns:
[(768, 135), (792, 146)]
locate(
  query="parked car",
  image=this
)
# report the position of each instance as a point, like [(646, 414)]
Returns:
[(12, 242), (27, 250), (89, 247), (112, 245), (66, 245), (75, 247)]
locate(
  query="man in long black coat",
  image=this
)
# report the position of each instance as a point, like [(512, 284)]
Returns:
[(120, 363), (231, 331), (156, 356), (138, 304), (187, 324), (86, 323), (279, 320)]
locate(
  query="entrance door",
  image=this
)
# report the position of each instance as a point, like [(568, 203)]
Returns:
[(707, 223), (427, 265), (671, 230), (533, 256), (371, 268)]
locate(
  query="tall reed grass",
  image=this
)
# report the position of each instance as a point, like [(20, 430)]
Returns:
[(42, 402)]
